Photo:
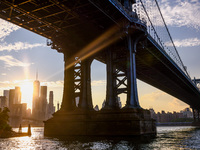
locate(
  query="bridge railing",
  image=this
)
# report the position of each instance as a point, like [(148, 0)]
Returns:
[(149, 11)]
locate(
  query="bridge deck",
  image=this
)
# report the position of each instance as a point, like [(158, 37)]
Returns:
[(75, 24)]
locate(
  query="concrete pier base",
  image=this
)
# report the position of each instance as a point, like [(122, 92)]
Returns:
[(196, 124), (122, 122)]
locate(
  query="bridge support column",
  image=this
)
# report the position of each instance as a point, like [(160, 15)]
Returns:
[(115, 122), (194, 114), (111, 95), (196, 117), (85, 96), (68, 102), (132, 93)]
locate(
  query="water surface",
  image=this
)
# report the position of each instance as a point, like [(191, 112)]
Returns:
[(168, 138)]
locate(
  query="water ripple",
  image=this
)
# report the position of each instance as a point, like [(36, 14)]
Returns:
[(168, 138)]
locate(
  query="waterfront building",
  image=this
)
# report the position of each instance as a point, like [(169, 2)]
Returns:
[(187, 113)]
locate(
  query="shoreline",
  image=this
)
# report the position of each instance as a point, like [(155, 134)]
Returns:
[(9, 134), (174, 124)]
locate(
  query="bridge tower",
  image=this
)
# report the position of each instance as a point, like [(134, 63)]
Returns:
[(111, 120)]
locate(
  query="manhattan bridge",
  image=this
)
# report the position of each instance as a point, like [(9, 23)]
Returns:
[(130, 36)]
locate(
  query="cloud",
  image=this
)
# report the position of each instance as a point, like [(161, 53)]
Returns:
[(51, 84), (12, 84), (12, 62), (7, 84), (175, 103), (176, 13), (3, 74), (181, 13), (153, 96), (19, 46), (190, 42), (59, 83), (6, 28)]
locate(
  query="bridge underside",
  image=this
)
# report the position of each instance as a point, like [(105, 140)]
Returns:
[(72, 25), (108, 31)]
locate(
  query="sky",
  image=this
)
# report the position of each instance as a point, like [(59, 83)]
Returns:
[(23, 53)]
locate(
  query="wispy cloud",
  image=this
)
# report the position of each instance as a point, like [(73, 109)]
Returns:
[(19, 46), (153, 96), (181, 13), (59, 83), (12, 84), (12, 62), (190, 42), (175, 103), (6, 28)]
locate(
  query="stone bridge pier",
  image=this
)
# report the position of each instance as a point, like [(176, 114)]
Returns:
[(196, 117), (83, 120)]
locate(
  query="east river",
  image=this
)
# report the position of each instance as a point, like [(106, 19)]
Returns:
[(167, 138)]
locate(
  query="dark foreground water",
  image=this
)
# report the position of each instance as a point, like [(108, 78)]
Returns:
[(167, 138)]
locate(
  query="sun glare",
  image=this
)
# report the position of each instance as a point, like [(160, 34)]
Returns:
[(27, 93)]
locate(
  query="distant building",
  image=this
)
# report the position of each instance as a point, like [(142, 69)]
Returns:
[(51, 107), (18, 95), (3, 101), (43, 103), (119, 102), (187, 113), (58, 106), (77, 101), (153, 114), (104, 103), (18, 111), (96, 108), (171, 117), (6, 94), (11, 98)]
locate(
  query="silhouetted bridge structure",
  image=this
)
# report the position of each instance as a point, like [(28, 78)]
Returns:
[(123, 34)]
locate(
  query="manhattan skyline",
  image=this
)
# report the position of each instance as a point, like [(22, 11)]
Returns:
[(23, 52)]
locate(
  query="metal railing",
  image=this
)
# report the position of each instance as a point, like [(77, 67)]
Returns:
[(149, 11)]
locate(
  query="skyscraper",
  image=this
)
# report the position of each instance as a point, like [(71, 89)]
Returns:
[(43, 103), (51, 108), (43, 92), (11, 98), (18, 95), (35, 101)]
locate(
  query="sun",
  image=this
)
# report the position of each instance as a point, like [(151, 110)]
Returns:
[(27, 92)]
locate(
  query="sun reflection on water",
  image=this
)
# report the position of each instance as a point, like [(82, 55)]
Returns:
[(167, 138)]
